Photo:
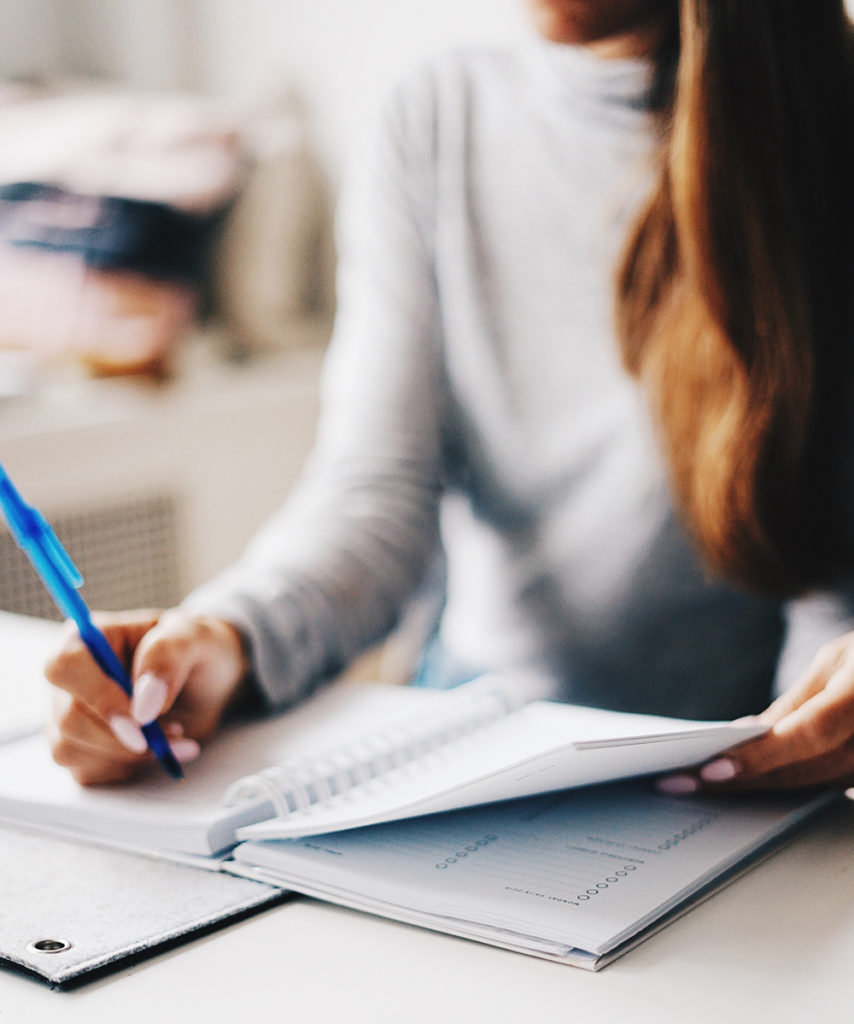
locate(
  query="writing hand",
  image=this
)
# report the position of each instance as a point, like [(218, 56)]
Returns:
[(186, 671)]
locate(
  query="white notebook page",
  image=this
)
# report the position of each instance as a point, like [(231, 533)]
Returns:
[(581, 869), (541, 746)]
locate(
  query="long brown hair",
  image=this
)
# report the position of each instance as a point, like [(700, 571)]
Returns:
[(732, 294)]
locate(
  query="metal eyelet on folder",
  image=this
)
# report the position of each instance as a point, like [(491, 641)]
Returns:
[(49, 946)]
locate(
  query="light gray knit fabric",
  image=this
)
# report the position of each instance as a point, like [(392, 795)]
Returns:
[(474, 387)]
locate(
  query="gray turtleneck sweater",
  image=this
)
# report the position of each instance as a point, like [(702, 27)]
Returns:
[(474, 393)]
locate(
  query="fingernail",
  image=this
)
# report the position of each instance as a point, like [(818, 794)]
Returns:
[(128, 733), (149, 696), (677, 785), (185, 750), (174, 729), (721, 770)]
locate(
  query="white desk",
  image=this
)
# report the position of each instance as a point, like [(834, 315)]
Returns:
[(777, 945)]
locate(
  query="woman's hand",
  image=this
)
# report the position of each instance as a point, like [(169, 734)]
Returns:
[(186, 671), (810, 740)]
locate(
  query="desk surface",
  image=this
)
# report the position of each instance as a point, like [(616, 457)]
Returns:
[(776, 945)]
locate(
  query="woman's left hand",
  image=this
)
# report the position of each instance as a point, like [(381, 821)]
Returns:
[(810, 740)]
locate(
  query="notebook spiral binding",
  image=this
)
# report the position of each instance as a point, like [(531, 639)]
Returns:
[(300, 783)]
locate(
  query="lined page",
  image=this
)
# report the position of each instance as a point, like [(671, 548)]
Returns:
[(583, 869)]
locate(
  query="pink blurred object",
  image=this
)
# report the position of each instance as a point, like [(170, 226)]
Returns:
[(184, 151), (181, 151), (111, 321)]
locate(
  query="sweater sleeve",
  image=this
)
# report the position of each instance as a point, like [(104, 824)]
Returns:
[(328, 575), (810, 622)]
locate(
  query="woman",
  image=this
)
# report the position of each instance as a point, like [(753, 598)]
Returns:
[(634, 506)]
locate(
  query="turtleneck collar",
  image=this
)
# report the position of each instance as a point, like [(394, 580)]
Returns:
[(615, 88)]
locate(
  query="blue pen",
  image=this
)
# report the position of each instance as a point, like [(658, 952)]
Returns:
[(61, 578)]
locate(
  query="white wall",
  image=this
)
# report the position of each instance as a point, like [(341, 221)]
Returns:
[(30, 38), (147, 42), (342, 54)]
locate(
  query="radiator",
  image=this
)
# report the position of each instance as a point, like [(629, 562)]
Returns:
[(128, 554), (154, 490)]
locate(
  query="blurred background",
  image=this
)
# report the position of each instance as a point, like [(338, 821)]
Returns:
[(169, 171)]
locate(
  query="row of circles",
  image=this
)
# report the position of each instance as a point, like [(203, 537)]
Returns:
[(686, 833), (474, 847), (607, 881)]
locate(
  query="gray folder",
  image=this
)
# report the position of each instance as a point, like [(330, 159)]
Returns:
[(71, 911)]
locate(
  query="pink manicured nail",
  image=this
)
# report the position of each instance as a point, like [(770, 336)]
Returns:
[(128, 733), (677, 785), (149, 696), (185, 750), (721, 770)]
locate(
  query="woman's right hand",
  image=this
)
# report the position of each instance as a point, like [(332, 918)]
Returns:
[(186, 671)]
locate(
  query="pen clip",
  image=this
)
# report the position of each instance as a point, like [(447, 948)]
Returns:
[(59, 557), (34, 534)]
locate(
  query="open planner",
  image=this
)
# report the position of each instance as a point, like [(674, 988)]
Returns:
[(475, 811), (359, 755)]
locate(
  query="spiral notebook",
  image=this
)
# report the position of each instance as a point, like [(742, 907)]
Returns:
[(356, 754)]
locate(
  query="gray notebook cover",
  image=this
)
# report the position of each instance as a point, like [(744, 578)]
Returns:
[(70, 911)]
